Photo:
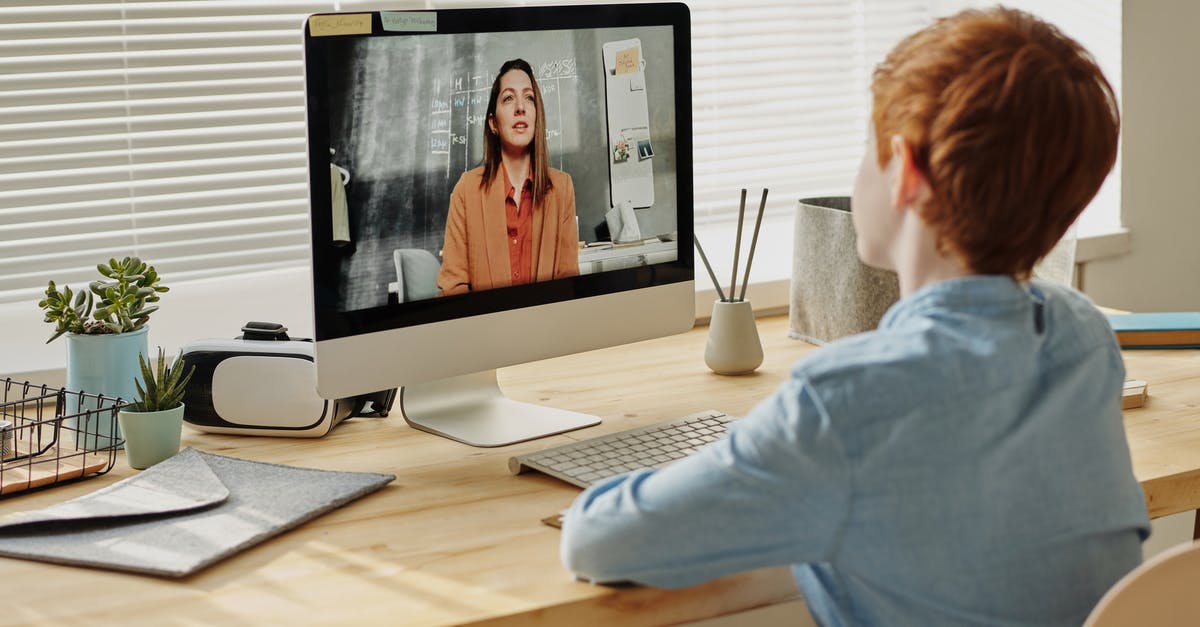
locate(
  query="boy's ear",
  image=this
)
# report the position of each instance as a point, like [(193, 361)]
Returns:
[(910, 187)]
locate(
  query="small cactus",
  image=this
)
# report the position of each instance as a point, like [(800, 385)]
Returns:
[(118, 303), (163, 387)]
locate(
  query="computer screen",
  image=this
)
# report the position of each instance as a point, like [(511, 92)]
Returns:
[(494, 186)]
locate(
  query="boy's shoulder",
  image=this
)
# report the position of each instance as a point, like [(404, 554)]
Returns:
[(1074, 316), (1075, 301), (872, 365), (934, 357), (880, 348)]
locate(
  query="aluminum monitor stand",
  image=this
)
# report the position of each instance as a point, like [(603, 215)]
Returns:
[(471, 409)]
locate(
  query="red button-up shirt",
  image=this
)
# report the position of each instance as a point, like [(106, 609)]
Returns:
[(519, 211)]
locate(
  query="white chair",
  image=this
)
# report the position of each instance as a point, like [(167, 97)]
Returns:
[(416, 274), (1162, 592)]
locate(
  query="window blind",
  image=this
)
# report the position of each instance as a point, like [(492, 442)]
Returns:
[(780, 95), (172, 130), (175, 128)]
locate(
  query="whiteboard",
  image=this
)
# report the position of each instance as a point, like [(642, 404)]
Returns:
[(630, 151)]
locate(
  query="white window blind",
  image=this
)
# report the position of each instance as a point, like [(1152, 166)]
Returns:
[(170, 130), (174, 130), (780, 95), (782, 91)]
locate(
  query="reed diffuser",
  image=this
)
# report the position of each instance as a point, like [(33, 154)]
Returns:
[(733, 344)]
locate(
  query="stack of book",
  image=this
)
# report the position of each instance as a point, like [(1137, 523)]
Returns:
[(1157, 330)]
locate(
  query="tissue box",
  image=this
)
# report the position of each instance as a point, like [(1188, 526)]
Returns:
[(833, 294)]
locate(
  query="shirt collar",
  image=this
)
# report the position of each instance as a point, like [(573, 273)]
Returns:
[(980, 294), (509, 190)]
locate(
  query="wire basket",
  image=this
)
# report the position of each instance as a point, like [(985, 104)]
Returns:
[(49, 435)]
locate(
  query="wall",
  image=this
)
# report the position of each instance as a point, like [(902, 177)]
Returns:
[(1160, 184)]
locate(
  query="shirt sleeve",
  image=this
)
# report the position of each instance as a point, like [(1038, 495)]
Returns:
[(775, 491)]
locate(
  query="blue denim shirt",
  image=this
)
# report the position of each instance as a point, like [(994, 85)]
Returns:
[(963, 464)]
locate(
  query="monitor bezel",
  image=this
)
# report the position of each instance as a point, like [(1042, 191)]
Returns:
[(333, 323)]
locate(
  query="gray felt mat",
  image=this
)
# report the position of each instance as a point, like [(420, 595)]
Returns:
[(181, 515)]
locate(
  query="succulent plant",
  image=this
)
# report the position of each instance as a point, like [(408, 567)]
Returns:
[(118, 303), (163, 387)]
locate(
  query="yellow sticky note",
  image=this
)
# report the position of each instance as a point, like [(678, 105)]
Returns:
[(628, 61), (348, 24)]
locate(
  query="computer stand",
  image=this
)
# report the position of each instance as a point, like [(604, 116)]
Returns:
[(471, 409)]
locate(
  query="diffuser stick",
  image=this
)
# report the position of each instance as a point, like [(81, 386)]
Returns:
[(712, 275), (762, 204), (737, 245)]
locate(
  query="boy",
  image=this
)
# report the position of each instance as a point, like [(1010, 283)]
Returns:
[(966, 462)]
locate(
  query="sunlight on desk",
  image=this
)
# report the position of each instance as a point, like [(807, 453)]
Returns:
[(347, 585)]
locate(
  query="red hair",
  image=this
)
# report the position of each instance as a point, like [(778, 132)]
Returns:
[(1011, 122)]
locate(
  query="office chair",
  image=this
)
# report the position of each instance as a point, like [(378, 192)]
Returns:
[(1162, 592), (416, 274)]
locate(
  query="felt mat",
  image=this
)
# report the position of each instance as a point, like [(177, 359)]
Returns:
[(182, 514)]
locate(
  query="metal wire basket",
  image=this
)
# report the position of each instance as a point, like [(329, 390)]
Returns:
[(49, 435)]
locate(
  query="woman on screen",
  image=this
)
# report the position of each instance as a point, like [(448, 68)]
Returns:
[(512, 220)]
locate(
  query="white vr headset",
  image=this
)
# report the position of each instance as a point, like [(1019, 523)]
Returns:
[(265, 383)]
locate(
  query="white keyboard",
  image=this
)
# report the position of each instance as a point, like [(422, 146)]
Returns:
[(586, 462)]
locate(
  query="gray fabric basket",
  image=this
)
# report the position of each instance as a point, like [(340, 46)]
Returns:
[(833, 294)]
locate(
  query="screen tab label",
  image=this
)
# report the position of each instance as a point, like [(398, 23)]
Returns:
[(350, 24), (421, 21)]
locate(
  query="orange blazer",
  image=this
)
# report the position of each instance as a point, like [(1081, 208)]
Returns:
[(475, 253)]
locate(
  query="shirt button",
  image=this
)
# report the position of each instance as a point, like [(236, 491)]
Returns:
[(514, 241)]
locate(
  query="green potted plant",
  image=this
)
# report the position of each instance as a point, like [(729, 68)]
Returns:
[(105, 329), (153, 423)]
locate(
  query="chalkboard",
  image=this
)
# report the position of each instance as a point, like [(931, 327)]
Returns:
[(406, 120)]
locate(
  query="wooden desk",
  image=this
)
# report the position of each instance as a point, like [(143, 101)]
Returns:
[(456, 539)]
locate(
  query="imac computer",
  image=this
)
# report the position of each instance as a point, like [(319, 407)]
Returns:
[(490, 187)]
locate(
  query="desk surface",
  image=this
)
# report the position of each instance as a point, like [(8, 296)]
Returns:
[(456, 539)]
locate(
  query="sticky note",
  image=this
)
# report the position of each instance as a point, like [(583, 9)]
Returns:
[(628, 61), (347, 24), (411, 21)]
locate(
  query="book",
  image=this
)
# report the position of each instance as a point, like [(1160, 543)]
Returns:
[(1157, 330)]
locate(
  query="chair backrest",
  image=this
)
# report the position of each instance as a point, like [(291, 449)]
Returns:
[(416, 273), (1162, 592)]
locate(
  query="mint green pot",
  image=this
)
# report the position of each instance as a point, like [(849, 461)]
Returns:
[(150, 436), (102, 364)]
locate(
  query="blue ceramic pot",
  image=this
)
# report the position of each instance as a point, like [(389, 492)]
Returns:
[(151, 436), (108, 365)]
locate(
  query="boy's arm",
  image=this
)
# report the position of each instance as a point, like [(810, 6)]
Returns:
[(775, 491)]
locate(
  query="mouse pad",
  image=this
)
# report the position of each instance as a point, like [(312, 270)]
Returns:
[(181, 515)]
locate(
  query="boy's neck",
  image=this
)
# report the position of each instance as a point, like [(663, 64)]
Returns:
[(916, 258)]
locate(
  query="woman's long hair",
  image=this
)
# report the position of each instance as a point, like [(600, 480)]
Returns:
[(539, 158)]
